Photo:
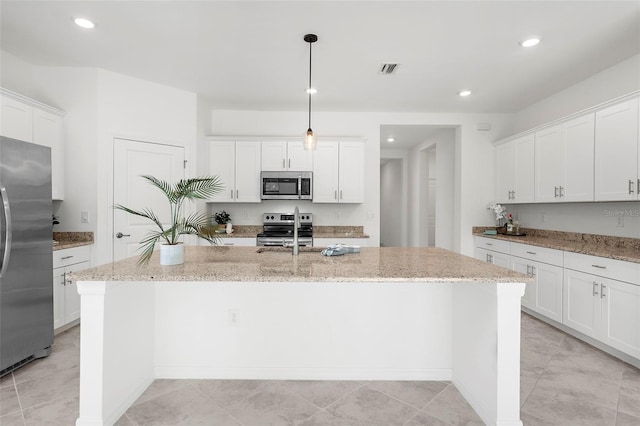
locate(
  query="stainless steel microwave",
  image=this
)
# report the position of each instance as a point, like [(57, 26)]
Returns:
[(286, 185)]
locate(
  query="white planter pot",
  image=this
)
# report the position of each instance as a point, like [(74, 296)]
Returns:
[(172, 254)]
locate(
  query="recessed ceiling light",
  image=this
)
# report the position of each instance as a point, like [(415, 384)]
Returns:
[(311, 91), (390, 140), (464, 93), (84, 23), (530, 42)]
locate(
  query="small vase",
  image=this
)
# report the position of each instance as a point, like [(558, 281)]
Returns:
[(172, 254), (229, 228)]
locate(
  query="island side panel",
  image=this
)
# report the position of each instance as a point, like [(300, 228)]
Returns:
[(486, 347), (304, 330), (116, 348)]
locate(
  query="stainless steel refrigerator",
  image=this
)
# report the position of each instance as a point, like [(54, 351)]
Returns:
[(26, 262)]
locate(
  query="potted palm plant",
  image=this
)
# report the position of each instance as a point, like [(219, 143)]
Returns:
[(171, 249)]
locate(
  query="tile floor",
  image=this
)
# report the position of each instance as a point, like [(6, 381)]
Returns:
[(564, 382)]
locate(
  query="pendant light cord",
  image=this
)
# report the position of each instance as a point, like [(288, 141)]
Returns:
[(309, 88)]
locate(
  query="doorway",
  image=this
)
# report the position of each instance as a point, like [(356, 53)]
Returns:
[(131, 159)]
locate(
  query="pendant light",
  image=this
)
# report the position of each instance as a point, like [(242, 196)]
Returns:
[(310, 138)]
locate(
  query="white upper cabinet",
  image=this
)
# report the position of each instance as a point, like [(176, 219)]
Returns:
[(237, 164), (515, 170), (16, 119), (338, 172), (617, 154), (286, 155), (30, 121), (47, 131), (564, 161)]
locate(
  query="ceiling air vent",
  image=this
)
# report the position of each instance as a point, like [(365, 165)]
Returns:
[(387, 68)]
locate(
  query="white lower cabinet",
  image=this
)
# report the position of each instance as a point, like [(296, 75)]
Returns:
[(599, 304), (491, 250), (238, 242), (66, 300)]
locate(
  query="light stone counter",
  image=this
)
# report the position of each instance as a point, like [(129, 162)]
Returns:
[(619, 248), (236, 313), (249, 264)]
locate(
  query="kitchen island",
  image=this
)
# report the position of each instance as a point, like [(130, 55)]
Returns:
[(247, 313)]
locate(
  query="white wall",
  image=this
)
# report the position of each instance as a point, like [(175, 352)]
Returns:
[(391, 180), (611, 83), (16, 75), (401, 209), (136, 109), (473, 172)]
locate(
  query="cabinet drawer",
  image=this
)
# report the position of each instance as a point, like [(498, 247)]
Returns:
[(539, 254), (71, 256), (603, 267), (493, 244)]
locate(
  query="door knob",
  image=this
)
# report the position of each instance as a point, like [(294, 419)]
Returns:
[(120, 235)]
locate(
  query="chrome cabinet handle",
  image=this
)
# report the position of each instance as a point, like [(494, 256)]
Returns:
[(602, 291), (531, 252), (341, 194), (120, 235), (289, 162), (7, 231), (561, 191), (231, 197), (528, 269), (283, 166), (335, 194), (555, 192), (631, 190), (489, 244), (638, 187), (599, 267), (595, 287), (533, 271), (69, 257), (237, 193)]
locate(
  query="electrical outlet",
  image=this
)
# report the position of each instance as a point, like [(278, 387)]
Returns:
[(245, 214), (542, 217), (620, 223), (84, 217), (234, 317), (337, 215), (371, 215)]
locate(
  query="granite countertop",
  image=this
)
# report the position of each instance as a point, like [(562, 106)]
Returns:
[(250, 231), (247, 264), (65, 240), (619, 248)]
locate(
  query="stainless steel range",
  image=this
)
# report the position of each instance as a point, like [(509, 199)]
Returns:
[(277, 230)]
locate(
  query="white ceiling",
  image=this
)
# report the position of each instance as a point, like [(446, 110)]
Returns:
[(251, 55)]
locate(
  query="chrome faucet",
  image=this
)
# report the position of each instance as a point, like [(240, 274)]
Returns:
[(296, 225)]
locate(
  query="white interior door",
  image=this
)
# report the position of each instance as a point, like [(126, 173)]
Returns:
[(131, 159)]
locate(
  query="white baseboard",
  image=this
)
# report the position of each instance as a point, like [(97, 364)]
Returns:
[(172, 372)]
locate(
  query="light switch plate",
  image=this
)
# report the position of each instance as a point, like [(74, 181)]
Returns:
[(84, 217)]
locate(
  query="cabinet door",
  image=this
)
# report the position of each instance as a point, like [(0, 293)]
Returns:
[(548, 290), (71, 296), (274, 156), (298, 158), (525, 169), (578, 142), (521, 265), (17, 119), (247, 172), (581, 302), (222, 160), (616, 152), (549, 164), (325, 172), (351, 172), (505, 171), (47, 131), (621, 316), (58, 298)]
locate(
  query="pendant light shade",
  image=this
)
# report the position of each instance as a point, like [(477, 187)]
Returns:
[(310, 140)]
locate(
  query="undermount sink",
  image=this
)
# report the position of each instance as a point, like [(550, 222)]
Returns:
[(289, 249)]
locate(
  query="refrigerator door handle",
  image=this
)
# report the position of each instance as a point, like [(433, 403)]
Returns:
[(7, 231)]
